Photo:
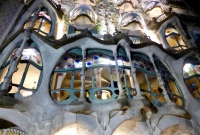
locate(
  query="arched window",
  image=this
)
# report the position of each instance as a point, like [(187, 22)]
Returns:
[(66, 80), (171, 85), (173, 38), (27, 79), (191, 74), (42, 24)]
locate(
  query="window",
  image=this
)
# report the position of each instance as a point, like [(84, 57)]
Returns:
[(42, 24), (147, 79), (27, 79), (191, 74), (66, 80), (171, 85), (173, 38), (101, 82)]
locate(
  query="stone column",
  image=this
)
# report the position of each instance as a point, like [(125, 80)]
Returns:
[(98, 77), (131, 79), (98, 81), (121, 94), (83, 76), (5, 132), (160, 80), (133, 73)]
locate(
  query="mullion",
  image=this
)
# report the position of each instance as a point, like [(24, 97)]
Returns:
[(72, 79), (41, 22), (147, 79), (93, 79), (111, 77), (24, 76)]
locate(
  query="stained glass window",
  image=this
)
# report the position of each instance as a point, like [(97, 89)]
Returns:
[(72, 59), (142, 61), (161, 68)]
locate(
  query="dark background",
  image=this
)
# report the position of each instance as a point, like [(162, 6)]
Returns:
[(194, 4)]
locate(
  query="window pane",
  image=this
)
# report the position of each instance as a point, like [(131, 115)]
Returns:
[(72, 59), (197, 69), (142, 61), (170, 30), (142, 80), (194, 86), (17, 76), (126, 78), (32, 77), (172, 89), (153, 82), (61, 95), (103, 94), (33, 55), (3, 73), (179, 39), (172, 41), (45, 26), (88, 80), (13, 90), (155, 87)]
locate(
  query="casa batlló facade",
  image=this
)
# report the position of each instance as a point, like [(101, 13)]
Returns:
[(96, 67)]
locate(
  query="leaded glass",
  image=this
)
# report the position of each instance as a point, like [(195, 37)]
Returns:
[(99, 57), (142, 61), (71, 59), (29, 54), (161, 68)]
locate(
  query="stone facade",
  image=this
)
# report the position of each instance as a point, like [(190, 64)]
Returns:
[(89, 67)]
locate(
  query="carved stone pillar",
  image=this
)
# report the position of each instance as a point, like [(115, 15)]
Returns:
[(83, 76), (98, 77), (133, 73), (160, 80), (121, 93), (98, 80), (131, 79)]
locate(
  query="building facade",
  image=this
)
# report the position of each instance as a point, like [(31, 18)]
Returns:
[(95, 67)]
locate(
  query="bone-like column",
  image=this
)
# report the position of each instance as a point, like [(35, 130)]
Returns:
[(133, 73), (83, 76), (160, 79), (121, 94)]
